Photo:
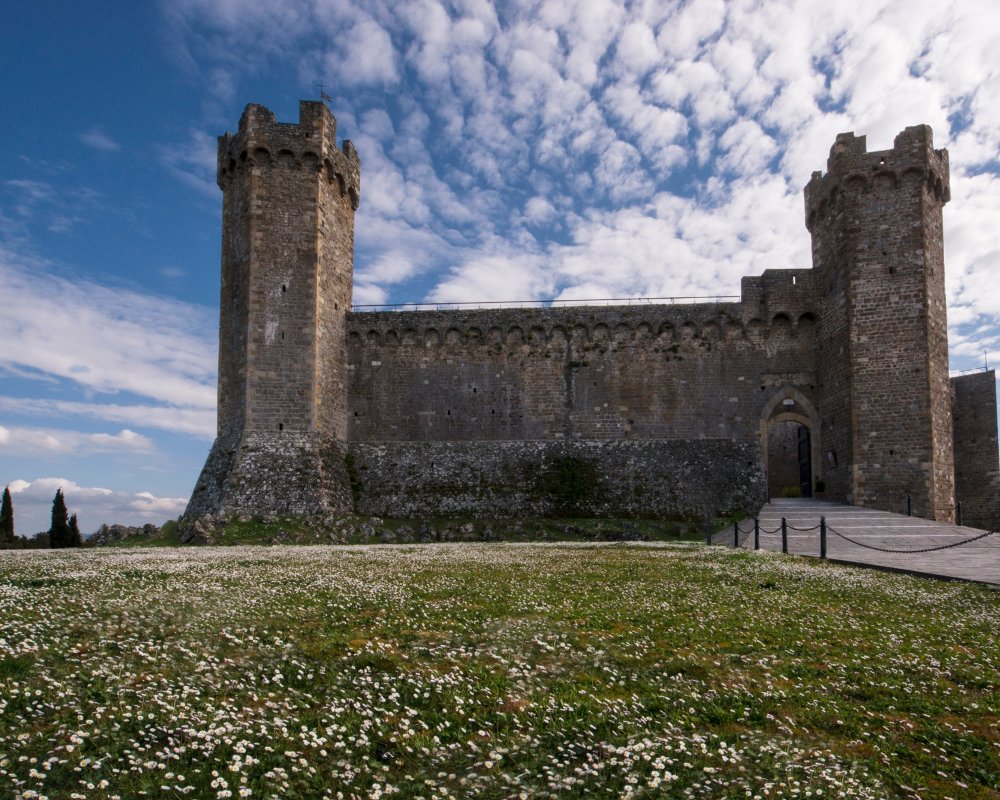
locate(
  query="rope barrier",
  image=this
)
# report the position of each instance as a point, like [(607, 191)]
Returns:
[(920, 550), (741, 536)]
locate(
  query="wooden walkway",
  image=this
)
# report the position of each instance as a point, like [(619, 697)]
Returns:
[(975, 561)]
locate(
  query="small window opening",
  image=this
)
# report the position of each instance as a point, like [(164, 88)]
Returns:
[(892, 270), (282, 334), (794, 279), (281, 426), (284, 288)]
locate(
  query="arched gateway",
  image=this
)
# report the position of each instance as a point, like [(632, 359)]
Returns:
[(790, 444)]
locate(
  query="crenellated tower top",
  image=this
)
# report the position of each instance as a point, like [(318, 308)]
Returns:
[(309, 144), (852, 169)]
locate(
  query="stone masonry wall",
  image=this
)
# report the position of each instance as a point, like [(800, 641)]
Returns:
[(290, 192), (537, 478), (977, 456), (625, 372)]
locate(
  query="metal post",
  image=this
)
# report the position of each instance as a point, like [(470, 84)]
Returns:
[(736, 534), (958, 514), (756, 533), (784, 535), (909, 505), (708, 531), (822, 537)]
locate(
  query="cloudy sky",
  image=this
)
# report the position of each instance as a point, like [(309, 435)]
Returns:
[(518, 150)]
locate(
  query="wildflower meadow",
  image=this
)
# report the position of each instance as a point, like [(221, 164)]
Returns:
[(490, 671)]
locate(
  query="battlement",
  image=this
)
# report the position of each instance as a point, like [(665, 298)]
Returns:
[(309, 145), (599, 326), (852, 170)]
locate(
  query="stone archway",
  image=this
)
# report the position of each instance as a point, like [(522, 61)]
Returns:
[(790, 442)]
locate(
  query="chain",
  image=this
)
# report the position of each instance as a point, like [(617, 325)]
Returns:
[(804, 530), (921, 550)]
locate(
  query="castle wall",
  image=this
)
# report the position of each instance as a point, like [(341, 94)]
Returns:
[(624, 372), (562, 478), (649, 408), (977, 456)]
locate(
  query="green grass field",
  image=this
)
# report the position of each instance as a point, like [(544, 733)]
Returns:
[(490, 670)]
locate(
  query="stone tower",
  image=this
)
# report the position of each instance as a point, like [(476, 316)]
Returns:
[(289, 197), (882, 357)]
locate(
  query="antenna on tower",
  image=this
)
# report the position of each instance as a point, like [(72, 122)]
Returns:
[(322, 94)]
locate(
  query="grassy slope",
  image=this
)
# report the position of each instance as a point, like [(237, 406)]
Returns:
[(491, 671)]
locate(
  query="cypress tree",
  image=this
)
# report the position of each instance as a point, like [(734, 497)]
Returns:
[(59, 535), (6, 519), (75, 539)]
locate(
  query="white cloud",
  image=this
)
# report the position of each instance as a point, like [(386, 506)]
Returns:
[(620, 173), (538, 210), (657, 129), (193, 161), (363, 55), (199, 422), (26, 440), (637, 51), (684, 33), (106, 339), (498, 278), (97, 139), (747, 148)]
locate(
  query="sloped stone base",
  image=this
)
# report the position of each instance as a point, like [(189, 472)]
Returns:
[(272, 473)]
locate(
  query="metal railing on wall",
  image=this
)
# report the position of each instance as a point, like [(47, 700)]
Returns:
[(956, 373), (549, 303)]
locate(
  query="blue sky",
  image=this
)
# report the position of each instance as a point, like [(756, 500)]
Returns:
[(550, 149)]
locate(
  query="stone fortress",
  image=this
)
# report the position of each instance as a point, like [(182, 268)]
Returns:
[(830, 381)]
